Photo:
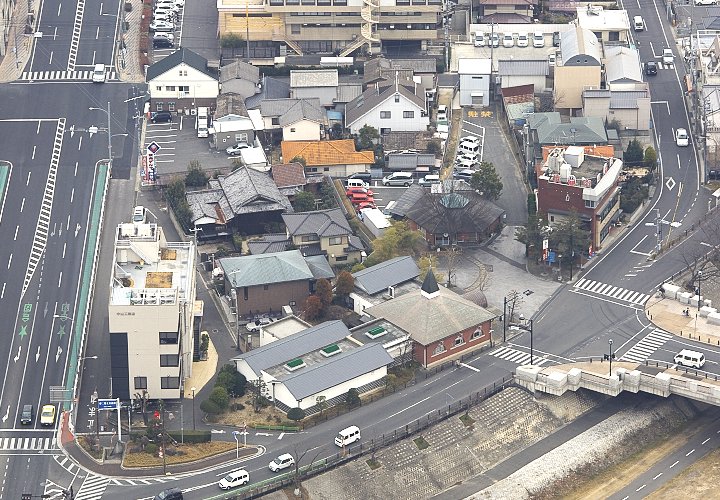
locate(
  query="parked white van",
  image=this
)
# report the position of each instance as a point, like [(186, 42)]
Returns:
[(348, 436), (638, 23), (202, 122), (692, 359), (352, 183), (469, 147)]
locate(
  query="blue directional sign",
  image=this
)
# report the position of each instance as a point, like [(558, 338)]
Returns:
[(107, 404)]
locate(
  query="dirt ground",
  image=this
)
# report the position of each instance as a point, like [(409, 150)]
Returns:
[(247, 416)]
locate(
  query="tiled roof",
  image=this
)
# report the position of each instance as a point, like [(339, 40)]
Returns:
[(265, 269), (302, 109), (375, 96), (323, 223), (313, 78), (288, 174), (272, 88), (392, 272), (454, 213), (320, 153), (178, 57), (348, 92), (269, 243), (239, 69), (230, 104)]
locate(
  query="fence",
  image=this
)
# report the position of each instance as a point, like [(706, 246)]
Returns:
[(372, 446)]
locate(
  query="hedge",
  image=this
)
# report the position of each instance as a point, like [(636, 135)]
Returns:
[(191, 436)]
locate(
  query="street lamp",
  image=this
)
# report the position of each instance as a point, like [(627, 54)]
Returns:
[(610, 356), (192, 390), (528, 327), (699, 279), (107, 112)]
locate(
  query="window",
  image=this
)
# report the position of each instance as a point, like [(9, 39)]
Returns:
[(169, 360), (245, 293), (439, 349), (170, 88), (292, 129), (276, 121), (408, 114), (170, 382), (385, 115), (159, 106), (266, 287), (168, 337), (341, 258), (397, 98), (589, 204), (552, 218), (459, 340), (182, 72), (476, 334), (159, 88), (241, 138), (337, 240), (295, 29), (140, 382), (171, 106)]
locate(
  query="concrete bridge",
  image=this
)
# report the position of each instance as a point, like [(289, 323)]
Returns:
[(661, 379)]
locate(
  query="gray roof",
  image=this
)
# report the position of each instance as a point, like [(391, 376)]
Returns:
[(269, 243), (377, 68), (180, 56), (622, 65), (348, 92), (272, 88), (626, 99), (244, 191), (375, 96), (454, 213), (580, 47), (523, 68), (319, 267), (407, 200), (303, 109), (266, 269), (580, 130), (336, 370), (424, 65), (303, 78), (448, 80), (294, 346), (240, 69), (397, 161), (323, 223), (389, 273), (428, 320)]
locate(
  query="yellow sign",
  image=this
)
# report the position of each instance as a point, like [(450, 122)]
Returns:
[(486, 114), (472, 114)]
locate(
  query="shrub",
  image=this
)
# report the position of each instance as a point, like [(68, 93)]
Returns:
[(190, 436), (151, 448), (296, 414), (210, 407), (352, 398), (220, 397)]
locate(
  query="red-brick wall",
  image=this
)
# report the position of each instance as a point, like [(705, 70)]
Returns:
[(425, 355)]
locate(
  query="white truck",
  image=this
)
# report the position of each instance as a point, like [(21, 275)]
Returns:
[(202, 122)]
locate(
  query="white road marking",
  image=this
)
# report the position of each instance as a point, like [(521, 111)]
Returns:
[(676, 462)]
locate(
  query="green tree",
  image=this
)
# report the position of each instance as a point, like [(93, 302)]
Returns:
[(313, 308), (569, 238), (650, 159), (352, 398), (344, 284), (300, 160), (210, 407), (487, 181), (175, 195), (296, 414), (532, 235), (231, 41), (220, 397), (397, 240), (323, 290), (327, 194), (232, 380), (634, 153), (366, 138), (427, 262), (531, 204), (304, 202), (196, 177)]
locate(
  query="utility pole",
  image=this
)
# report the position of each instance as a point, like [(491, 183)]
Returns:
[(658, 231)]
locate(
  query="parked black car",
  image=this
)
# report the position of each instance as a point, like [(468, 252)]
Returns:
[(160, 42), (161, 117), (556, 39), (364, 176)]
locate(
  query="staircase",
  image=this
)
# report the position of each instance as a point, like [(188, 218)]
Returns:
[(370, 16), (281, 37)]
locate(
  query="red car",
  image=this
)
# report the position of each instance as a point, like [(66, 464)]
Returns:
[(365, 204), (357, 198), (352, 190)]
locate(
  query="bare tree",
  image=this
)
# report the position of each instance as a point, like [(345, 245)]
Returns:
[(514, 300), (298, 455)]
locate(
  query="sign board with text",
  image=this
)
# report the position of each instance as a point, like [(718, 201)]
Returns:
[(107, 404)]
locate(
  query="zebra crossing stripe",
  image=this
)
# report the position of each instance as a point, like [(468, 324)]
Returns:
[(515, 356), (92, 488), (611, 291), (646, 347)]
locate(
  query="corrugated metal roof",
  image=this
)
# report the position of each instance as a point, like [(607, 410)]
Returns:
[(626, 99), (580, 42), (336, 370), (622, 64), (348, 92), (389, 273), (523, 68), (265, 269), (303, 78)]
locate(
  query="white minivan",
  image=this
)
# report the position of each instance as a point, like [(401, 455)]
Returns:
[(348, 436), (638, 23), (398, 179), (692, 359), (98, 75), (202, 122)]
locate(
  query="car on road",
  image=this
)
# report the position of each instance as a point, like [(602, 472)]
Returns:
[(139, 215), (161, 117), (169, 494), (638, 23), (161, 26), (480, 39), (681, 137), (161, 42), (523, 40), (47, 415), (552, 57), (429, 180), (508, 40), (495, 40), (651, 68), (27, 415), (234, 479), (235, 149), (398, 179), (705, 2), (667, 56), (352, 190), (538, 39), (98, 75), (692, 359), (282, 462), (254, 326), (442, 113)]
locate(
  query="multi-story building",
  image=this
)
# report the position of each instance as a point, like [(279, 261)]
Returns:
[(574, 179), (330, 26), (151, 313)]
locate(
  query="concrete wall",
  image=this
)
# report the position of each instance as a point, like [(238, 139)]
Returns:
[(261, 299), (428, 355)]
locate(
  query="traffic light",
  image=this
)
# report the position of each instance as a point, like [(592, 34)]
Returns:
[(156, 415)]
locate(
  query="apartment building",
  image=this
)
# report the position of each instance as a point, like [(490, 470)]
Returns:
[(330, 26), (151, 313)]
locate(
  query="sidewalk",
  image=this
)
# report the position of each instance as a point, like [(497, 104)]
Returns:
[(128, 56), (19, 46)]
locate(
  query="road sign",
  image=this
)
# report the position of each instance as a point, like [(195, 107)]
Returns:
[(153, 147), (107, 404)]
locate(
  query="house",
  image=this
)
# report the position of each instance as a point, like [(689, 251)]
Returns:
[(519, 102), (289, 178), (153, 318), (228, 130), (381, 69), (268, 243), (608, 25), (265, 283), (383, 281), (182, 82), (630, 108), (583, 180), (397, 105), (299, 119), (244, 201), (320, 363), (578, 68), (421, 163), (442, 324), (240, 78), (282, 27), (346, 92), (453, 218), (324, 232), (516, 73), (334, 158), (270, 88), (505, 11), (320, 84), (474, 81)]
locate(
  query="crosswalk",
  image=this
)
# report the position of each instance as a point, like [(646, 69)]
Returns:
[(92, 487), (516, 356), (614, 292), (64, 75), (28, 444), (662, 65), (646, 347)]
